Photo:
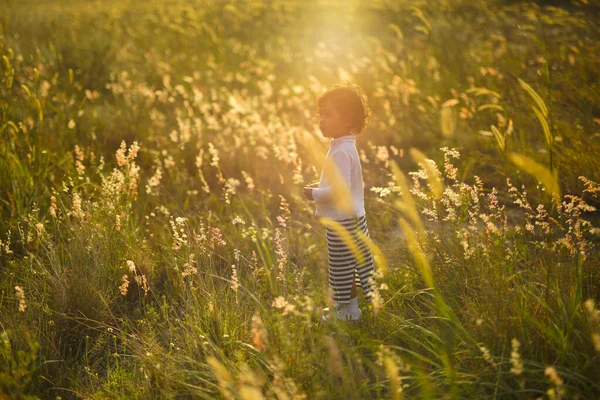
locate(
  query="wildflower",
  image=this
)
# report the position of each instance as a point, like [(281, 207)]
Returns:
[(122, 159), (21, 297), (215, 160), (173, 136), (188, 267), (591, 310), (298, 178), (133, 175), (551, 373), (380, 354), (53, 206), (144, 284), (451, 170), (199, 162), (282, 304), (256, 270), (394, 378), (501, 120), (44, 88), (234, 279), (6, 245), (381, 191), (284, 207), (515, 358), (112, 188), (376, 299), (124, 287), (281, 251), (451, 200), (363, 157), (279, 302), (590, 186), (308, 304), (281, 221), (259, 333), (91, 94), (131, 266), (133, 150), (486, 355), (463, 236), (541, 218), (39, 227), (465, 113), (230, 188), (120, 154), (154, 181), (79, 157), (168, 161), (179, 235), (248, 180), (216, 237), (250, 232), (238, 220), (558, 391), (416, 189), (77, 211), (383, 155)]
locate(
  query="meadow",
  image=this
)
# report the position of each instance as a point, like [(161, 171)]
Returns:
[(155, 241)]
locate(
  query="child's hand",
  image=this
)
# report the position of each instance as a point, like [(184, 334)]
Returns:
[(308, 192), (313, 185)]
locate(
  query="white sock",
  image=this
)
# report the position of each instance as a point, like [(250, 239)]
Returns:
[(353, 305)]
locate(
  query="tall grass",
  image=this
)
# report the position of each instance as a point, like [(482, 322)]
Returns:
[(155, 243)]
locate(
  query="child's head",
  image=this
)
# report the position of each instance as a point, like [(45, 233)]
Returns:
[(348, 104)]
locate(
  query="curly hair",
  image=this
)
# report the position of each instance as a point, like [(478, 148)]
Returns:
[(350, 101)]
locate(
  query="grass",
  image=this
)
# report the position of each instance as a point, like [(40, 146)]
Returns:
[(152, 159)]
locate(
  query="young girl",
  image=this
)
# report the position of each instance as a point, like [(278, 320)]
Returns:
[(339, 196)]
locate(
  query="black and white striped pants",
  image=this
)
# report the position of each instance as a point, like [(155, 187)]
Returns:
[(344, 266)]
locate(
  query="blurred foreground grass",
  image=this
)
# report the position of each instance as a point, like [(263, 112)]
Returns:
[(155, 241)]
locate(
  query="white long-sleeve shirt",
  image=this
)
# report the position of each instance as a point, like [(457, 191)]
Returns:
[(343, 155)]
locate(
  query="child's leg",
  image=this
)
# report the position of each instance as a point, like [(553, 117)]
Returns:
[(342, 264), (352, 307), (365, 269)]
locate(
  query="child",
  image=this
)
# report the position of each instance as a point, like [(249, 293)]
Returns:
[(339, 196)]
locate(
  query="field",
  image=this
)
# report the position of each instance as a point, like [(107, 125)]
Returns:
[(154, 237)]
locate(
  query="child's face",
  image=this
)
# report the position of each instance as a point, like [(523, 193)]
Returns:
[(331, 123)]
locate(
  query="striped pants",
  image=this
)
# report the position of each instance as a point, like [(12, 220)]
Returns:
[(344, 268)]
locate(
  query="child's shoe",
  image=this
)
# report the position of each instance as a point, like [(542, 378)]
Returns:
[(341, 313), (353, 315), (338, 313)]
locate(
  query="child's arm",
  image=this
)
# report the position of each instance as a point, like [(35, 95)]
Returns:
[(308, 189), (337, 171), (308, 192)]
